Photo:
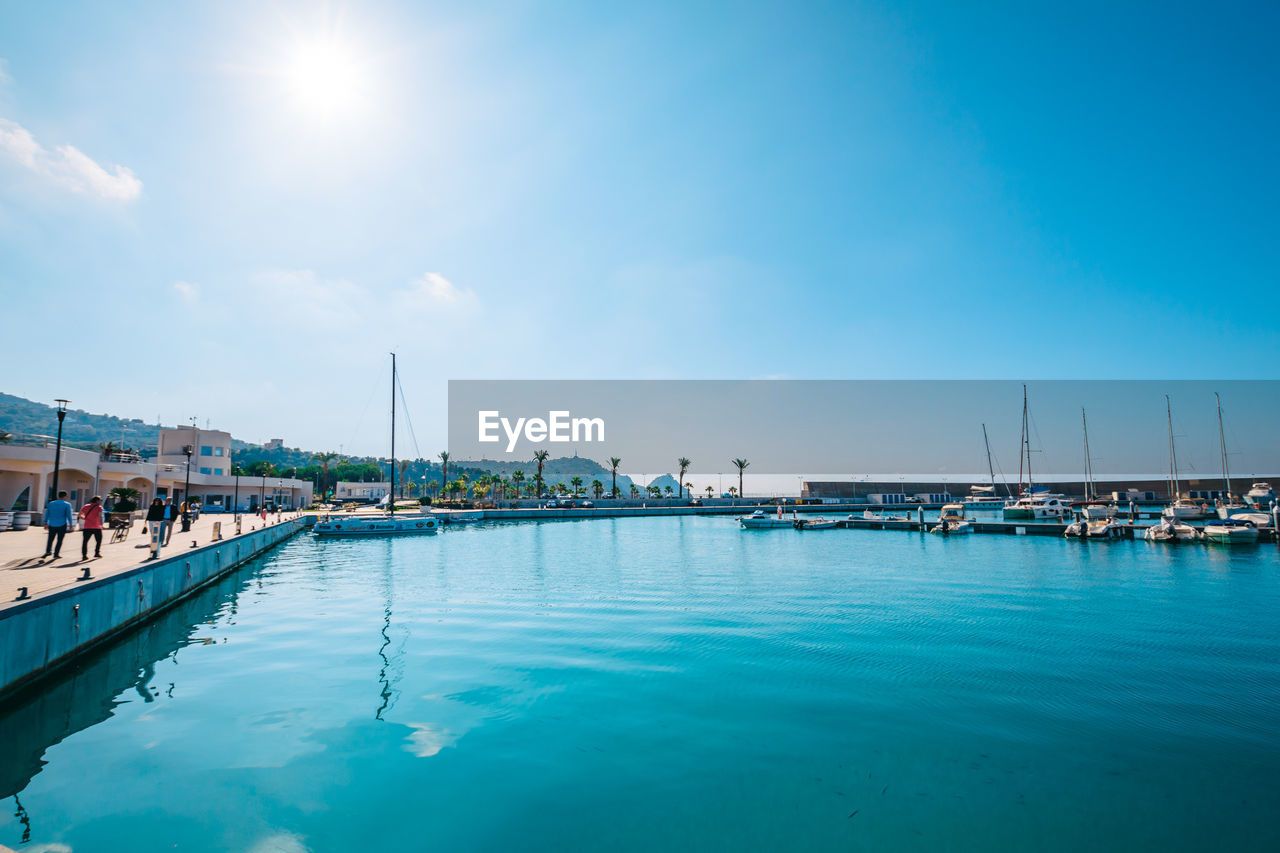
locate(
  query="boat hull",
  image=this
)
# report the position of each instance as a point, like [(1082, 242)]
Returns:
[(376, 526), (1230, 535)]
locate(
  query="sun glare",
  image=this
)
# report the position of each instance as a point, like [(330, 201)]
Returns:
[(325, 78)]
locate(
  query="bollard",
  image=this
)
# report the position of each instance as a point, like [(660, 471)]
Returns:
[(86, 576), (22, 593), (155, 539), (217, 531)]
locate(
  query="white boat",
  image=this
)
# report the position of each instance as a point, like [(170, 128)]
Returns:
[(376, 525), (1228, 505), (1260, 496), (1231, 533), (1038, 507), (389, 524), (868, 515), (1186, 510), (951, 521), (1097, 511), (819, 523), (1260, 520), (1169, 531), (1102, 528), (764, 520), (983, 498)]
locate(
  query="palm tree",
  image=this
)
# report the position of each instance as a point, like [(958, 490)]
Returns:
[(684, 467), (689, 487), (733, 491), (598, 488), (614, 462), (635, 492), (108, 449), (576, 482), (709, 491), (541, 458), (741, 465), (324, 459), (404, 466), (517, 477), (444, 468), (668, 490)]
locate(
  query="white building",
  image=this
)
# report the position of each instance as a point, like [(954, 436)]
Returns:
[(349, 491)]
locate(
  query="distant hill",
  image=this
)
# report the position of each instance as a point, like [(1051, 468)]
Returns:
[(80, 429), (664, 481)]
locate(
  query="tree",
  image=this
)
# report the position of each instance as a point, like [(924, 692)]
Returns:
[(517, 477), (614, 462), (539, 457), (635, 492), (598, 488), (576, 482), (684, 467), (741, 465), (689, 488), (107, 449), (444, 468), (324, 459), (126, 499), (709, 491), (733, 491), (404, 466)]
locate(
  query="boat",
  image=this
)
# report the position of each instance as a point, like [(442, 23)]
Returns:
[(1180, 509), (1032, 504), (819, 523), (1097, 511), (1231, 532), (868, 515), (951, 521), (381, 524), (985, 497), (1091, 508), (1170, 531), (1100, 528), (1260, 496), (1041, 506), (763, 520), (1228, 505)]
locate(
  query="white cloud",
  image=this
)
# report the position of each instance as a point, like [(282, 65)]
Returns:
[(431, 292), (187, 290), (67, 165), (437, 287)]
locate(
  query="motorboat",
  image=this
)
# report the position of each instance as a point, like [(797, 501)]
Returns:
[(764, 520), (1101, 528), (1186, 510), (1259, 520), (1097, 511), (1230, 509), (1169, 531), (819, 523), (1040, 506), (1260, 496), (375, 525), (868, 515), (952, 521), (1231, 532)]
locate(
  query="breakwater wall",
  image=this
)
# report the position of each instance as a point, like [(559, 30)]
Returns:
[(49, 631)]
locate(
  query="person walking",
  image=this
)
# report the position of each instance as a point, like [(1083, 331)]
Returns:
[(171, 515), (57, 519), (91, 527), (156, 515)]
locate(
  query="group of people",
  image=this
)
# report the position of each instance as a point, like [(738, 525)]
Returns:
[(57, 521), (165, 511)]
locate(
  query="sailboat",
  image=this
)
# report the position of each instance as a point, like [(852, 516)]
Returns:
[(985, 497), (1096, 518), (1030, 503), (1180, 509), (1228, 505), (387, 524)]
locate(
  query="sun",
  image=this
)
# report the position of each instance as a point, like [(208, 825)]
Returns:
[(325, 78)]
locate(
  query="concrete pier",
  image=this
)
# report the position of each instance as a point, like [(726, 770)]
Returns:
[(62, 616)]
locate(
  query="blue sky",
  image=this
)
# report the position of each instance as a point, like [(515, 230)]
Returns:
[(585, 190)]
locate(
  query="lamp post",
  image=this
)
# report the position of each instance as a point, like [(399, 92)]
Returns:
[(187, 449), (236, 502), (57, 453)]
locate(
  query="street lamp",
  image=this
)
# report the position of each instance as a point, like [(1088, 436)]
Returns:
[(57, 453), (187, 450)]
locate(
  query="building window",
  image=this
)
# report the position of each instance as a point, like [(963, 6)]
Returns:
[(204, 471), (206, 450), (218, 471), (217, 451)]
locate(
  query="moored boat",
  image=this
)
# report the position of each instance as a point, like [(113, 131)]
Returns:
[(764, 520), (819, 523), (1260, 496), (1041, 506), (376, 525), (1169, 531), (1231, 532), (952, 521)]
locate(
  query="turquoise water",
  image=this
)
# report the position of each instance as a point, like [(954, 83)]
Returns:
[(675, 683)]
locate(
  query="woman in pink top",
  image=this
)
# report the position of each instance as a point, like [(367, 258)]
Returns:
[(91, 527)]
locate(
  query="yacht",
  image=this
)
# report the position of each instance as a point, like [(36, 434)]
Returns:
[(1228, 505), (764, 520), (819, 523), (983, 498), (1100, 528), (1231, 532), (1260, 496), (1097, 511), (1181, 509), (1186, 510), (1041, 506)]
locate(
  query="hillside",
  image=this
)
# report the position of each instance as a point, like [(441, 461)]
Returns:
[(80, 429)]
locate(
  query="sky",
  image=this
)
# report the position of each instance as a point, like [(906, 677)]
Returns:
[(234, 211)]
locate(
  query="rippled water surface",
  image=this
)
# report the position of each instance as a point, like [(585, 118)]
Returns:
[(675, 683)]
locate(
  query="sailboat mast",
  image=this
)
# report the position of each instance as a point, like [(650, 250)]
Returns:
[(1026, 431), (1173, 456), (990, 467), (391, 498), (1022, 441), (1222, 442)]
